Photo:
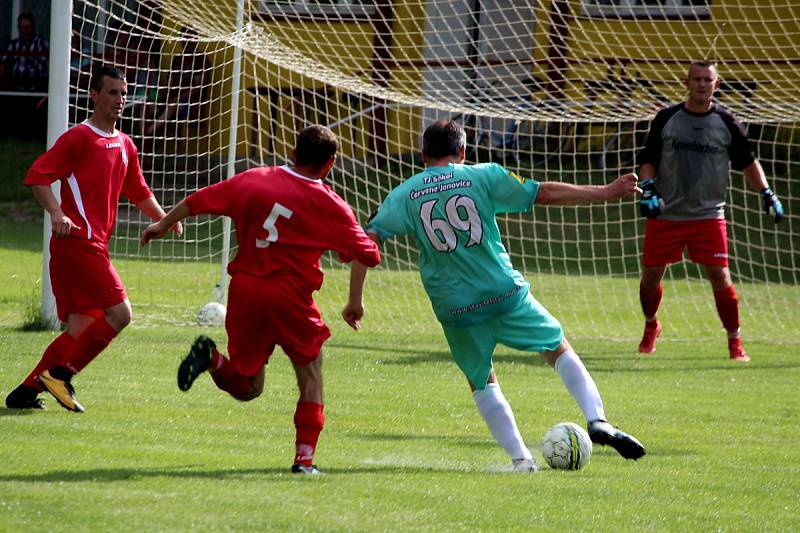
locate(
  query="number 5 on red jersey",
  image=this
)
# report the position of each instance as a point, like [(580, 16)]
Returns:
[(278, 210)]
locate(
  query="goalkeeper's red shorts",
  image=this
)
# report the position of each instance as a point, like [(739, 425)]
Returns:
[(665, 240), (83, 278), (265, 312)]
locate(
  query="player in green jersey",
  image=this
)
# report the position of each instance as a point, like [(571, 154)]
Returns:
[(477, 295)]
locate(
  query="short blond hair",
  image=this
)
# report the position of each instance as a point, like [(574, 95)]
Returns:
[(704, 63)]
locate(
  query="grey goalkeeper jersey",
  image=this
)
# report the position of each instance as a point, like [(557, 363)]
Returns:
[(693, 154)]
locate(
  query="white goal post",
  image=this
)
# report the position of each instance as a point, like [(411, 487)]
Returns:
[(556, 89), (57, 123)]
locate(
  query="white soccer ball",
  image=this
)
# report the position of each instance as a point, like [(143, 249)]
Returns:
[(211, 314), (567, 446)]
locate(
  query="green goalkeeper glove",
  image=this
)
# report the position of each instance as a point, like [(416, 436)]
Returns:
[(651, 203), (772, 206)]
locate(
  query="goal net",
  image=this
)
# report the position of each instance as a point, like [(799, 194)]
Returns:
[(556, 90)]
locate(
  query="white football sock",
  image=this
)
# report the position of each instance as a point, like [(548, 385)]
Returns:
[(497, 414), (580, 385)]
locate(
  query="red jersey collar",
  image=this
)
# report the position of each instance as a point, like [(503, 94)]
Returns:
[(296, 175), (98, 131)]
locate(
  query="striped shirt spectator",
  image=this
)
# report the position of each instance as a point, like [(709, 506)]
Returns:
[(26, 58)]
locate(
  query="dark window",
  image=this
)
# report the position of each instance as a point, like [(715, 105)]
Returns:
[(333, 10), (650, 9)]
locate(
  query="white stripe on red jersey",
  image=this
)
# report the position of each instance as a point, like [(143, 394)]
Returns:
[(98, 167)]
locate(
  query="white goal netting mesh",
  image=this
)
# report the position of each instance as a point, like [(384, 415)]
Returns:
[(560, 90)]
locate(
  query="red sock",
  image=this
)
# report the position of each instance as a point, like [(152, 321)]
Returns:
[(58, 349), (227, 377), (728, 308), (650, 300), (309, 421), (91, 342)]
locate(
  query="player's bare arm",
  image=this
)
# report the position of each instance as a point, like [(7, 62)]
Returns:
[(158, 229), (150, 207), (754, 174), (558, 193), (62, 224), (647, 171), (353, 312)]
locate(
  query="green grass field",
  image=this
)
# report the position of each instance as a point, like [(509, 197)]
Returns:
[(403, 448)]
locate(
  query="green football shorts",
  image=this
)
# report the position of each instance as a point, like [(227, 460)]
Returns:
[(528, 327)]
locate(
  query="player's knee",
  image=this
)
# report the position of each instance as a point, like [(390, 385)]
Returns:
[(651, 277), (720, 277), (119, 316), (551, 356), (118, 321), (124, 319), (254, 392), (255, 389)]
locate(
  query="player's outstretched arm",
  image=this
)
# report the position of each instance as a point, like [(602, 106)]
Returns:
[(558, 193), (160, 228), (150, 207)]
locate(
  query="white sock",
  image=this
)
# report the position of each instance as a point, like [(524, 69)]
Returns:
[(580, 385), (497, 414)]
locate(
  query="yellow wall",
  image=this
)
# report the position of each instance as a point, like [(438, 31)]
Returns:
[(752, 38), (347, 47), (659, 50)]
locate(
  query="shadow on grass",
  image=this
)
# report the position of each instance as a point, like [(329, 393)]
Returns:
[(421, 356), (445, 357), (476, 442), (5, 411), (111, 475), (668, 365), (618, 361)]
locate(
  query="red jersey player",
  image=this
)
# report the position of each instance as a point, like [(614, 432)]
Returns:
[(285, 218), (95, 164)]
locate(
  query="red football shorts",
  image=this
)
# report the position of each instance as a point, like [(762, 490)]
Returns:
[(263, 313), (83, 277), (665, 240)]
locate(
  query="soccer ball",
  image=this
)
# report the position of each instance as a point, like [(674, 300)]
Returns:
[(567, 446), (211, 314)]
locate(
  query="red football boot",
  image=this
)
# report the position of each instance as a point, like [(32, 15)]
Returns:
[(651, 332), (736, 351)]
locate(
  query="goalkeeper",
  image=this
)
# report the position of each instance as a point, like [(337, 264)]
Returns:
[(476, 294), (685, 168)]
